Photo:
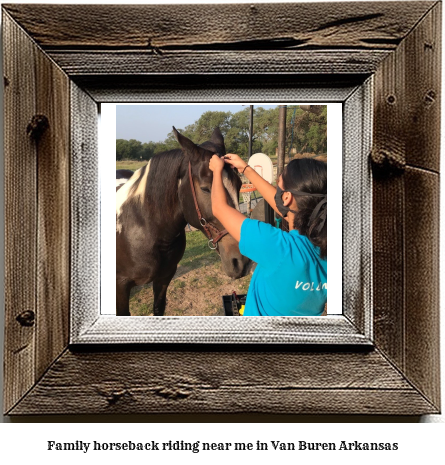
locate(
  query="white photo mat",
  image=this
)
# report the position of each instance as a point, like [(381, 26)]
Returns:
[(107, 176)]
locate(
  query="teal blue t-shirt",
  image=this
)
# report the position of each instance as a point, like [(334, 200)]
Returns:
[(290, 278)]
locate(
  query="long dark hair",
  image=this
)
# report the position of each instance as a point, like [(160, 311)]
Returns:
[(308, 175)]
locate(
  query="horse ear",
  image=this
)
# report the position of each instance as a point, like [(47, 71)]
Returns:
[(186, 144), (218, 139)]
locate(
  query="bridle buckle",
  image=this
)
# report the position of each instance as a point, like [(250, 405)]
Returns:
[(210, 244)]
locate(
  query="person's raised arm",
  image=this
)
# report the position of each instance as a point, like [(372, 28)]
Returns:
[(264, 188), (230, 218)]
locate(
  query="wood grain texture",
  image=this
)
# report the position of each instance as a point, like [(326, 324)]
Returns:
[(274, 25), (389, 143), (118, 62), (88, 329), (357, 209), (398, 42), (408, 85), (218, 88), (53, 226), (388, 268), (406, 206), (20, 212), (37, 215), (422, 322), (223, 382), (423, 49), (85, 211)]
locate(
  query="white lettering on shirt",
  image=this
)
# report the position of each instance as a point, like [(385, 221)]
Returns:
[(306, 286)]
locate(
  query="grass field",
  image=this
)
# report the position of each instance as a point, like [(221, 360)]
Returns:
[(130, 164), (198, 286)]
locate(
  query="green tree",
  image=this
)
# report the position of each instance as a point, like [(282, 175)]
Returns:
[(305, 130), (266, 129), (309, 130), (120, 149), (128, 149), (148, 150), (202, 129)]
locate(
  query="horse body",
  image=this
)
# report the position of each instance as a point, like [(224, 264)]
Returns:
[(154, 206)]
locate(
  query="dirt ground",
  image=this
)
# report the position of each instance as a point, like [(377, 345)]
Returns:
[(198, 286)]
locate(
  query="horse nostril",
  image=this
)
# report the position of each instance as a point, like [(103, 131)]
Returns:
[(235, 263)]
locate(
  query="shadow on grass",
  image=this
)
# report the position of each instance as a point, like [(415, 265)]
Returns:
[(197, 255), (198, 259)]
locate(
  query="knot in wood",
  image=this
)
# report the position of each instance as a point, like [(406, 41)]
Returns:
[(172, 393), (391, 99), (430, 97), (386, 163), (37, 126), (26, 318), (114, 397)]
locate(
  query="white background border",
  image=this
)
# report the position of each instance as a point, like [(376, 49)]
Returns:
[(26, 443)]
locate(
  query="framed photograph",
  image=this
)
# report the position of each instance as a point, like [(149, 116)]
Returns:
[(209, 277), (377, 350), (205, 278)]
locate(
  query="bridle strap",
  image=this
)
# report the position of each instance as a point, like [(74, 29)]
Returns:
[(220, 236), (194, 193), (207, 226)]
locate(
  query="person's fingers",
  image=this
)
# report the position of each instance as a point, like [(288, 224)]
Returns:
[(215, 163)]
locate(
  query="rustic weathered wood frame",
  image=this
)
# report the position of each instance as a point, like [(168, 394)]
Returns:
[(352, 326), (75, 57)]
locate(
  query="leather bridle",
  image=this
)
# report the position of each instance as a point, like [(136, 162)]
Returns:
[(208, 228)]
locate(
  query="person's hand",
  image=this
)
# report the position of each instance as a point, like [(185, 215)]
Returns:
[(235, 161), (216, 164)]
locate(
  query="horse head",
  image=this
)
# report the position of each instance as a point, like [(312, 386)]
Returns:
[(197, 157)]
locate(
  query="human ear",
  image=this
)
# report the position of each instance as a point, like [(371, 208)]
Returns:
[(287, 198)]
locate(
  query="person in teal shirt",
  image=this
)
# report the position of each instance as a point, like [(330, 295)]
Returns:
[(291, 274)]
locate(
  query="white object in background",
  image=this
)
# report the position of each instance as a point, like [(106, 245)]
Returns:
[(262, 164)]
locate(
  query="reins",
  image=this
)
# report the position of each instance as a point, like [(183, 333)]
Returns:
[(213, 241)]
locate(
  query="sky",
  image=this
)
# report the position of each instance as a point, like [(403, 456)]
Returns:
[(147, 123)]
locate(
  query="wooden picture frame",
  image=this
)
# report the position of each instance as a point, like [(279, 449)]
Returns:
[(381, 357)]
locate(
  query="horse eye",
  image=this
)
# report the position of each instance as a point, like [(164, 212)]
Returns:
[(206, 190)]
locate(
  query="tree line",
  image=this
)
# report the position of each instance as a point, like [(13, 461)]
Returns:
[(306, 132)]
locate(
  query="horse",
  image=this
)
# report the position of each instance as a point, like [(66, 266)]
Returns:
[(152, 210), (122, 176)]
